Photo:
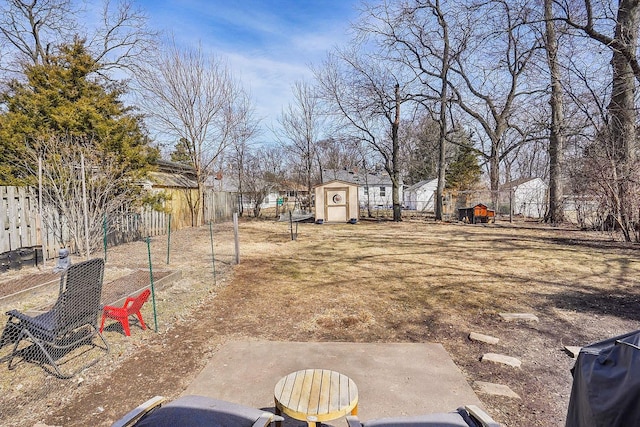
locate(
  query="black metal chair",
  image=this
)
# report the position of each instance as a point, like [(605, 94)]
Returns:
[(71, 322), (467, 416), (195, 411)]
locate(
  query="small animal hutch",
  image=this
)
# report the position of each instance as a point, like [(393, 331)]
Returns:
[(476, 214), (336, 201)]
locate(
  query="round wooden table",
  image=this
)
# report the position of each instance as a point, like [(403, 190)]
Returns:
[(316, 395)]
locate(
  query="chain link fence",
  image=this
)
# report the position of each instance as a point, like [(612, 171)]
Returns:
[(52, 338)]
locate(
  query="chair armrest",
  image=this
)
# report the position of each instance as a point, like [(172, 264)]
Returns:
[(266, 419), (353, 421), (481, 416), (134, 416)]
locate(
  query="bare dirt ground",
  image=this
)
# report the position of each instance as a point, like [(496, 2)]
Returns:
[(413, 281)]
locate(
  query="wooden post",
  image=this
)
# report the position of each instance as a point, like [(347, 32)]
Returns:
[(40, 216), (235, 233), (85, 206), (511, 205)]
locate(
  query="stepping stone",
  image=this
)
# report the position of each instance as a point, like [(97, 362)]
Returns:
[(474, 336), (528, 317), (572, 350), (495, 389), (501, 358)]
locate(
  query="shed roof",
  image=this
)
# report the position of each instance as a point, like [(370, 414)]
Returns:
[(175, 180), (334, 180)]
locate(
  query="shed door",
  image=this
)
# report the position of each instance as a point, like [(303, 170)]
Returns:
[(337, 203)]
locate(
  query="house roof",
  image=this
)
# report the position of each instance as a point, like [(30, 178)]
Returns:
[(421, 183), (380, 178), (517, 182)]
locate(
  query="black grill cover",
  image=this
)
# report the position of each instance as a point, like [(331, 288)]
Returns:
[(606, 384)]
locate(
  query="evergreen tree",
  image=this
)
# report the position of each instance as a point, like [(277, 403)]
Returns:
[(66, 99), (181, 152), (464, 172)]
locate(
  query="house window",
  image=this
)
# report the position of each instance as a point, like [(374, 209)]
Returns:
[(383, 191), (366, 190)]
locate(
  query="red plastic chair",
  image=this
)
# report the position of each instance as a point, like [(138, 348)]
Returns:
[(121, 314)]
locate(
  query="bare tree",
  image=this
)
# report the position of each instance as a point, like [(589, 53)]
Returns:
[(367, 96), (555, 212), (191, 97), (263, 172), (241, 148), (621, 134), (417, 34), (33, 29), (123, 40), (502, 51), (301, 127), (106, 186)]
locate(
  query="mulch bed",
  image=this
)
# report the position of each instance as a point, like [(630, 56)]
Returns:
[(26, 282)]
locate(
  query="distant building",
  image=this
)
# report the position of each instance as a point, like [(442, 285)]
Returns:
[(374, 189), (421, 196), (529, 196)]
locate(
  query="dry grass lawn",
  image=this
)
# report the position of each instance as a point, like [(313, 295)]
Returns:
[(413, 281)]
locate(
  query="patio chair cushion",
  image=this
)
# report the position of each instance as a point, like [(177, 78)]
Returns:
[(448, 419), (197, 411)]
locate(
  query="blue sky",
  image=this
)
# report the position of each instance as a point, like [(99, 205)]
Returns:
[(268, 44)]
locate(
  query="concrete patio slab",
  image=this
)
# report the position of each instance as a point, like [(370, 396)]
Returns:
[(392, 378)]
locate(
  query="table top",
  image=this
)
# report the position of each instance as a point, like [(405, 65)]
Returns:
[(316, 395)]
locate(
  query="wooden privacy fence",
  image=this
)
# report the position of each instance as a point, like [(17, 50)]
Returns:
[(21, 226), (19, 222), (219, 205)]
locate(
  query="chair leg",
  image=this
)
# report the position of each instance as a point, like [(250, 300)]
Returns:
[(139, 315), (15, 347), (29, 336), (124, 321), (104, 316)]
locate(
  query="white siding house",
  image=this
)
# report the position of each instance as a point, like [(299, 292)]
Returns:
[(420, 196), (529, 197), (374, 189)]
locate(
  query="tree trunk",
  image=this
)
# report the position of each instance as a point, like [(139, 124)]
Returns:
[(442, 143), (622, 115), (395, 174), (494, 174), (555, 213)]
